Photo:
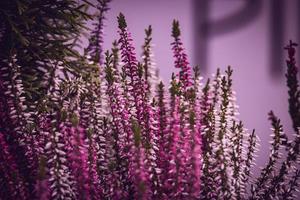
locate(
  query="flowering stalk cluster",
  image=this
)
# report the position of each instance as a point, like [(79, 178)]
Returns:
[(115, 132)]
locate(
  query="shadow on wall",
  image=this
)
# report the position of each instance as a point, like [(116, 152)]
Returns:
[(207, 29)]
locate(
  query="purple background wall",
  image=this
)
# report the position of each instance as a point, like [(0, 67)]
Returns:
[(247, 47)]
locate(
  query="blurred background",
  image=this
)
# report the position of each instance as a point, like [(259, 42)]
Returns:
[(248, 35)]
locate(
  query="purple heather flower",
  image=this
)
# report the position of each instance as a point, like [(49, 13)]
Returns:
[(152, 151), (150, 71), (195, 152), (59, 172), (122, 135), (139, 174), (79, 162), (93, 177), (133, 71), (138, 170), (16, 120), (177, 155), (163, 141), (60, 178), (181, 61)]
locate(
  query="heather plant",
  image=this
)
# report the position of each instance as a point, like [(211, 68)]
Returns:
[(103, 126)]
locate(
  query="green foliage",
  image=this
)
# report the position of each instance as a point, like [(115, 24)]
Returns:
[(175, 87), (42, 34), (136, 129), (108, 68), (293, 86), (122, 21), (175, 29)]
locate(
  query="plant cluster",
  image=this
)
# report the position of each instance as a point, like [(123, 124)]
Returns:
[(103, 125)]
